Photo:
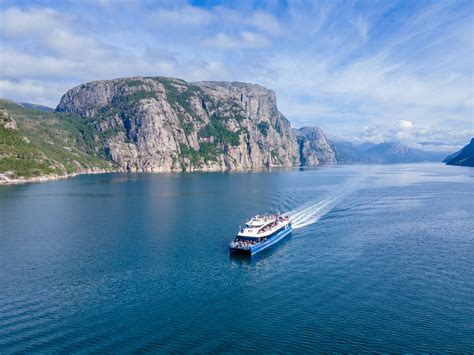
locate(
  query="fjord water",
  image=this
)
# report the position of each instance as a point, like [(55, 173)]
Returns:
[(380, 260)]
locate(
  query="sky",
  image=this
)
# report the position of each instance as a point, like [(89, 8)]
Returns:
[(374, 71)]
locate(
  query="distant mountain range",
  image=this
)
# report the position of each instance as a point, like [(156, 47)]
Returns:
[(463, 157), (383, 153), (37, 107)]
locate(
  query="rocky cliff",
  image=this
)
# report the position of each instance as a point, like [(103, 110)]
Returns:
[(158, 124), (314, 148), (464, 157)]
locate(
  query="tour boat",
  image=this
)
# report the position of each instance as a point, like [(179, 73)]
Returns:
[(261, 232)]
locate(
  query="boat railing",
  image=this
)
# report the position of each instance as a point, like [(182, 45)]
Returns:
[(243, 244), (270, 226)]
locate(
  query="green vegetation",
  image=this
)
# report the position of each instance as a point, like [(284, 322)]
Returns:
[(123, 103), (134, 82), (190, 153), (124, 107), (263, 128), (207, 152), (176, 97), (239, 117), (219, 132), (21, 158), (180, 95), (48, 143), (276, 158), (140, 95), (278, 128), (187, 127)]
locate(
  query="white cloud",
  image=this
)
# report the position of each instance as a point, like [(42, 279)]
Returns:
[(182, 16), (16, 64), (265, 22), (331, 65), (244, 40), (404, 124), (421, 137), (19, 24), (23, 91), (44, 29)]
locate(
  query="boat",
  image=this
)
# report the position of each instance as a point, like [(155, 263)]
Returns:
[(260, 233)]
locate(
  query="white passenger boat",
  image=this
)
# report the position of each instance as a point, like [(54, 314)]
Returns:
[(261, 232)]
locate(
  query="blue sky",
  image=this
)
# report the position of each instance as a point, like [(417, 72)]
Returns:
[(362, 70)]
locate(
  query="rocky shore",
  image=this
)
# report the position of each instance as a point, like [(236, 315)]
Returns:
[(7, 178)]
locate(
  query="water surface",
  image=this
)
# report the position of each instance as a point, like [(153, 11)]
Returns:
[(380, 260)]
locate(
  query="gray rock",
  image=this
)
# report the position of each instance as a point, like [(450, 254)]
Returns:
[(157, 124), (314, 148), (6, 121)]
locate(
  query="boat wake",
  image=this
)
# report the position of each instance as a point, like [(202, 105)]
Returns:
[(313, 211)]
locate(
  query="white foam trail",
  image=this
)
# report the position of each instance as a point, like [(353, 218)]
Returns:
[(313, 211)]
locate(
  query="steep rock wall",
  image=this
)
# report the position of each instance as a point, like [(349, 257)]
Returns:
[(158, 124)]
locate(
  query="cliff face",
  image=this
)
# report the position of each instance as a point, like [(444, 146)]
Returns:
[(314, 149), (165, 124), (6, 121)]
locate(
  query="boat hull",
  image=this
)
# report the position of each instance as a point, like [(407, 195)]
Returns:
[(267, 244)]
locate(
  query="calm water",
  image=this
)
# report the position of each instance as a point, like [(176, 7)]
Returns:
[(381, 259)]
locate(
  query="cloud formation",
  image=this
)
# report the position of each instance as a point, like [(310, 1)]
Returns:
[(371, 71)]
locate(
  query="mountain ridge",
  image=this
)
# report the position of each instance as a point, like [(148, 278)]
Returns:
[(382, 153), (167, 124)]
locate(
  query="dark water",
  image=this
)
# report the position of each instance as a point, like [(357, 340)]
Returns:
[(381, 260)]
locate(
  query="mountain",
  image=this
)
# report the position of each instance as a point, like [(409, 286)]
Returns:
[(399, 153), (155, 124), (314, 148), (439, 144), (166, 124), (464, 157), (383, 153), (349, 153), (36, 107), (159, 124), (35, 143)]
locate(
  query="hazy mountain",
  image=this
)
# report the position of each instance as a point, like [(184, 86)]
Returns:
[(438, 144), (383, 153), (399, 153), (348, 152), (37, 107)]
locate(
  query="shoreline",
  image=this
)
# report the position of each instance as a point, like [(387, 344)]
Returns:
[(6, 180)]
